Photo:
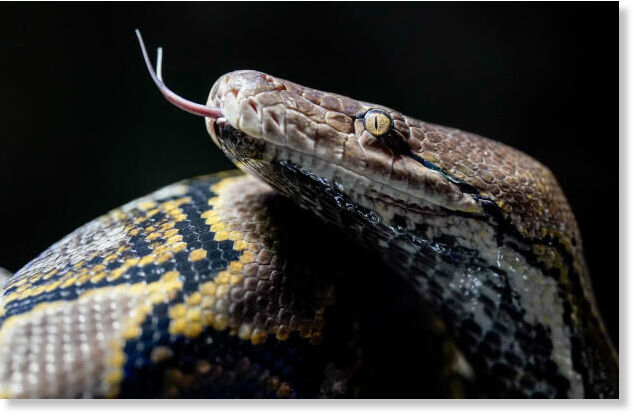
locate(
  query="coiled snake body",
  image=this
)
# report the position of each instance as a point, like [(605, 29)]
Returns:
[(357, 227)]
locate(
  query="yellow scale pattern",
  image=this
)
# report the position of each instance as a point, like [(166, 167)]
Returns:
[(113, 314), (201, 308), (139, 298)]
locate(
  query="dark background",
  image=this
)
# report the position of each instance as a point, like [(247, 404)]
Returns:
[(83, 129)]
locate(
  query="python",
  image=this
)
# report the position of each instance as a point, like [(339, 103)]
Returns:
[(296, 280)]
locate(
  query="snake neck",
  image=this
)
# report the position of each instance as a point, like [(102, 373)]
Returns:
[(515, 305)]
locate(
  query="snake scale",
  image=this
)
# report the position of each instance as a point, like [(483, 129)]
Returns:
[(363, 254)]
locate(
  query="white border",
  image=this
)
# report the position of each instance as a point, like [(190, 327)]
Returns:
[(424, 407)]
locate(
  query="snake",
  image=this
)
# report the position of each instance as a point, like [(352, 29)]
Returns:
[(356, 252)]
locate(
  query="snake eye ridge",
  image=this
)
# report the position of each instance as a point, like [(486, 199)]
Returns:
[(377, 122)]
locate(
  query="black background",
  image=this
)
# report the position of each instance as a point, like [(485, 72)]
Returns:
[(83, 129)]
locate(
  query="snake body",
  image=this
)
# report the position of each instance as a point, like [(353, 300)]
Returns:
[(266, 285)]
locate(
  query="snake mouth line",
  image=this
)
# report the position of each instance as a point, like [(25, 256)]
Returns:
[(239, 145)]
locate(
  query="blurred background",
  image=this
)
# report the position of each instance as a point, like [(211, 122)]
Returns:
[(83, 128)]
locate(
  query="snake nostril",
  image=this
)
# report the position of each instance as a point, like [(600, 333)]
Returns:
[(253, 106)]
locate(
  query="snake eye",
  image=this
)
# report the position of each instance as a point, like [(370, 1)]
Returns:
[(377, 122)]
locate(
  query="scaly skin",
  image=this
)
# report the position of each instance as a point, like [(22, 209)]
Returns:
[(483, 231), (215, 287), (220, 287)]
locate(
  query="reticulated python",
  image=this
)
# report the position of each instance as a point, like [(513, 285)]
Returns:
[(458, 256)]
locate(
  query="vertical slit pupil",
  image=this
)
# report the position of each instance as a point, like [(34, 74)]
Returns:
[(376, 123)]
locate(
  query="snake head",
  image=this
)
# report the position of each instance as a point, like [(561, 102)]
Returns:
[(413, 164), (354, 144)]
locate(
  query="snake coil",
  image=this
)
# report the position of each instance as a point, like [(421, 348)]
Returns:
[(356, 230)]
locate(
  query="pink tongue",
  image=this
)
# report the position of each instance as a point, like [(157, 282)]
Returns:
[(178, 101)]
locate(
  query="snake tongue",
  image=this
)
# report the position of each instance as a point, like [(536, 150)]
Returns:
[(177, 100)]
